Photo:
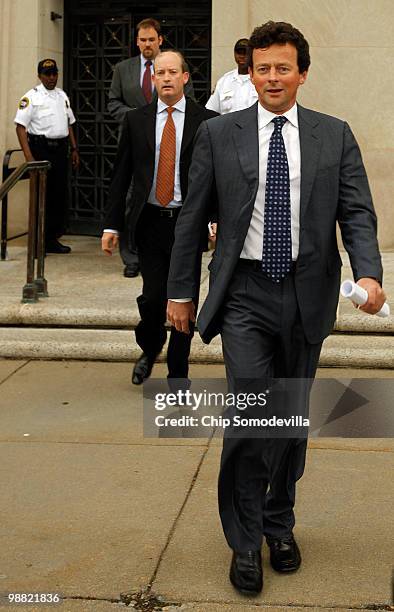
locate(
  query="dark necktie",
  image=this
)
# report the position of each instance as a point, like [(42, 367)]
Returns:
[(147, 82), (277, 258), (166, 169)]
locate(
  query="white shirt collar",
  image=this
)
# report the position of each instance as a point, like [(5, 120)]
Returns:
[(143, 61), (47, 92), (180, 105), (265, 116)]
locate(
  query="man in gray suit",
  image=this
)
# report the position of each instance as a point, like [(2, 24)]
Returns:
[(284, 177), (131, 88)]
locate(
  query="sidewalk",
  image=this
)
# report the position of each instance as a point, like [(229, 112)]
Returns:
[(94, 511)]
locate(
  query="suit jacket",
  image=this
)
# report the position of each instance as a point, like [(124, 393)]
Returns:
[(125, 92), (334, 187), (136, 160)]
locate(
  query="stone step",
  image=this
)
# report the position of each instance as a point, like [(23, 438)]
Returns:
[(48, 313), (339, 350)]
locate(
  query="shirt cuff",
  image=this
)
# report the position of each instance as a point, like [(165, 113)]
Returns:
[(180, 300), (111, 231)]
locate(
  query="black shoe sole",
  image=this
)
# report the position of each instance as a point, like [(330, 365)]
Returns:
[(246, 591), (285, 570), (250, 593)]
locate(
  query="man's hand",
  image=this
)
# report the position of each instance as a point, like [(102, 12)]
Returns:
[(179, 314), (109, 242), (212, 232), (75, 159), (376, 295)]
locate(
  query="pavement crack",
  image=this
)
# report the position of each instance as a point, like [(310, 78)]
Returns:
[(174, 525), (91, 598), (15, 371)]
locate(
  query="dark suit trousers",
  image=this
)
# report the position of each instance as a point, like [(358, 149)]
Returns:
[(57, 179), (262, 339), (128, 254), (155, 237)]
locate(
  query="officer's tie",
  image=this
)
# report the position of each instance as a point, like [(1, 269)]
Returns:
[(277, 220), (147, 82), (166, 168)]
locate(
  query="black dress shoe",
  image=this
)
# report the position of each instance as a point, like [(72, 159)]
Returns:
[(131, 271), (246, 573), (142, 369), (285, 555), (54, 246)]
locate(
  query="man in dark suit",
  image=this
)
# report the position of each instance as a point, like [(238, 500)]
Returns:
[(132, 87), (284, 176), (155, 152)]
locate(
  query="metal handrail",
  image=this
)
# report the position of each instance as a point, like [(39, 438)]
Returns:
[(19, 172), (35, 286)]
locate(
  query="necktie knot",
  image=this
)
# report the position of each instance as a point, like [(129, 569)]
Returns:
[(279, 122), (148, 63), (170, 110)]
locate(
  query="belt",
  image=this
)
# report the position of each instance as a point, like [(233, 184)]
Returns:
[(162, 211), (51, 142), (255, 264)]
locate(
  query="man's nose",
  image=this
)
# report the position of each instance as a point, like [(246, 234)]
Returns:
[(273, 76)]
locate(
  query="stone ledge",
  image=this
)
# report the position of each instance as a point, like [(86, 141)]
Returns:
[(53, 313), (339, 350)]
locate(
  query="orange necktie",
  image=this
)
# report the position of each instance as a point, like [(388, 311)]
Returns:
[(166, 169)]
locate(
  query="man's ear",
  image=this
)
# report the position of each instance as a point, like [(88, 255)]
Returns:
[(186, 77), (160, 41), (303, 76)]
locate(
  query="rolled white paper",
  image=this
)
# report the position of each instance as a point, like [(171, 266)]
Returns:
[(359, 296)]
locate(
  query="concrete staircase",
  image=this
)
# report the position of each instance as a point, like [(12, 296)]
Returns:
[(92, 311)]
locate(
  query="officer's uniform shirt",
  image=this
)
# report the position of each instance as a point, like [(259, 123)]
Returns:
[(45, 112), (233, 92)]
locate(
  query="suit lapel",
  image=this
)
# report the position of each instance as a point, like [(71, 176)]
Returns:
[(246, 141), (310, 145), (134, 76), (192, 121), (150, 125)]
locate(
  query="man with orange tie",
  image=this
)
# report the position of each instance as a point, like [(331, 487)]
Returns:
[(132, 87), (155, 152)]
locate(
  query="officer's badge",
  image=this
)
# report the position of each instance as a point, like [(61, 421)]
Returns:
[(24, 103)]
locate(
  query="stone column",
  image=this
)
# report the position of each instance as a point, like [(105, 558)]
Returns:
[(230, 21)]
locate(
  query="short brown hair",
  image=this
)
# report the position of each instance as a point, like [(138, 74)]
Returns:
[(149, 22), (280, 33), (185, 67)]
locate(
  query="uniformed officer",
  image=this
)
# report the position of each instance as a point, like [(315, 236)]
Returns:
[(234, 91), (43, 126)]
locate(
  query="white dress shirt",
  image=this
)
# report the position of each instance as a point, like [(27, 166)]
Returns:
[(233, 92), (253, 245), (45, 112), (179, 120)]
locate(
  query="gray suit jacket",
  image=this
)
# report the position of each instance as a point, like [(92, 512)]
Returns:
[(334, 187), (125, 92)]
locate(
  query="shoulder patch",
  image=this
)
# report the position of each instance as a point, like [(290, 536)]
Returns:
[(24, 103)]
